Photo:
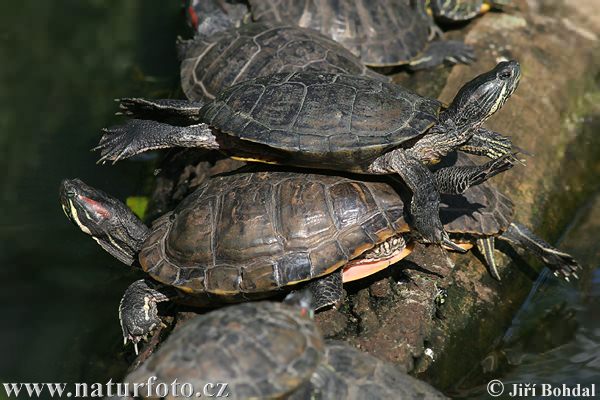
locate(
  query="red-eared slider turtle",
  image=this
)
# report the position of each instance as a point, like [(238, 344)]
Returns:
[(381, 33), (259, 350), (346, 373), (267, 350), (331, 121), (248, 235), (212, 63)]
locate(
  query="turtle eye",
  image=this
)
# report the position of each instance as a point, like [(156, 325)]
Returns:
[(505, 74)]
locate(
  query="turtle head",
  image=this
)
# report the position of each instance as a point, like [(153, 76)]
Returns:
[(209, 17), (480, 98), (304, 300), (114, 226)]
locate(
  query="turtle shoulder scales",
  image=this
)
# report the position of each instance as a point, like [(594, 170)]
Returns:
[(258, 232)]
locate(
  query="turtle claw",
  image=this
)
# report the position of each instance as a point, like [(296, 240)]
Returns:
[(452, 246), (135, 346)]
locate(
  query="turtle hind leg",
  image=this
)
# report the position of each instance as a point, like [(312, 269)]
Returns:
[(327, 291), (441, 52), (137, 136), (457, 179), (160, 109), (138, 311), (486, 247), (559, 262)]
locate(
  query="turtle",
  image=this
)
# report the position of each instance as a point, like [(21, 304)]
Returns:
[(350, 374), (211, 63), (330, 121), (258, 350), (253, 234), (268, 350), (381, 33)]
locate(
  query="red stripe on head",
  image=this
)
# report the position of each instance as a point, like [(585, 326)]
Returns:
[(96, 207)]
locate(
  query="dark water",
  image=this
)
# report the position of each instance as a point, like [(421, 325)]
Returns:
[(61, 64)]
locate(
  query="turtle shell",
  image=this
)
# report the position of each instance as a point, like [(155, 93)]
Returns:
[(258, 232), (336, 121), (480, 211), (382, 33), (261, 350), (210, 64), (350, 374)]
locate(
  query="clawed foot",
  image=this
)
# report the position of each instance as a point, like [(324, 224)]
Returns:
[(563, 264), (138, 311), (493, 168), (120, 142)]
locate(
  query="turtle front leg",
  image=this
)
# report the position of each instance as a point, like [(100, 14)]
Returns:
[(138, 311), (160, 109), (137, 136), (457, 179), (441, 52), (327, 291), (488, 143), (425, 202), (559, 262)]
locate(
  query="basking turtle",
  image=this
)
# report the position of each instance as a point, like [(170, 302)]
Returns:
[(349, 374), (330, 121), (268, 350), (212, 63), (249, 235), (381, 33), (259, 350)]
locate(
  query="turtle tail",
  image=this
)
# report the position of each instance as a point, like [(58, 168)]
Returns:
[(558, 261)]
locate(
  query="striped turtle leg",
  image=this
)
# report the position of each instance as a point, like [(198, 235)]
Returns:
[(486, 247), (441, 52), (328, 290), (138, 311), (457, 179), (155, 124), (425, 202), (558, 261), (485, 142)]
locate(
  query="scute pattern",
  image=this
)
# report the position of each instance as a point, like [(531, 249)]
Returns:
[(212, 64), (381, 33), (351, 115), (480, 211), (350, 374), (262, 350), (257, 232)]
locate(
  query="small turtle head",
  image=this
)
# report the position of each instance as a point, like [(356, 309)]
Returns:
[(304, 300), (103, 217), (480, 98)]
